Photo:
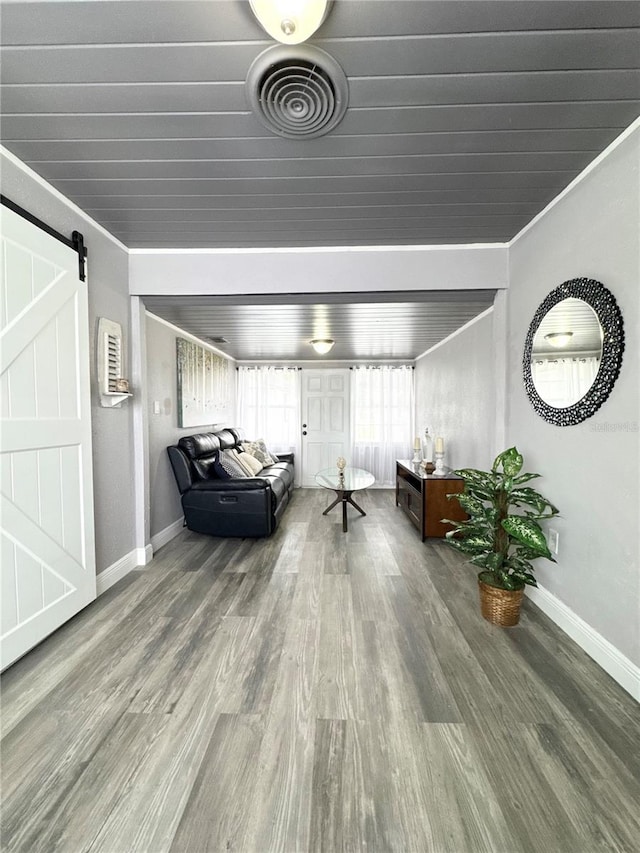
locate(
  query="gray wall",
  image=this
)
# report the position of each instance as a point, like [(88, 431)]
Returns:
[(591, 471), (165, 508), (455, 395), (108, 292)]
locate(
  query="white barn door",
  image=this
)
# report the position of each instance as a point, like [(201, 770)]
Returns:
[(47, 553)]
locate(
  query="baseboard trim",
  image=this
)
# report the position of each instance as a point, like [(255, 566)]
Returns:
[(116, 571), (166, 535), (619, 667), (144, 555), (113, 573)]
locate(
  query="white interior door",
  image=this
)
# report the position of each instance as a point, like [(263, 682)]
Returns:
[(48, 568), (325, 420)]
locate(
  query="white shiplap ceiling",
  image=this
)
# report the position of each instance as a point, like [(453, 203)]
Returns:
[(465, 118)]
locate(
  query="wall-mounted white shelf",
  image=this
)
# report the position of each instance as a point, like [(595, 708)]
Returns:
[(113, 399), (110, 358)]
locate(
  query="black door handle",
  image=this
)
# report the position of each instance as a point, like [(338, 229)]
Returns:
[(304, 426), (304, 432)]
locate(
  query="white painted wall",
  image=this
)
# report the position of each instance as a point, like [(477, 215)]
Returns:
[(455, 394), (591, 471), (220, 271), (108, 293), (165, 507)]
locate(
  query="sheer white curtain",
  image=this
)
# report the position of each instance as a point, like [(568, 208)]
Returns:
[(269, 407), (382, 415), (561, 382)]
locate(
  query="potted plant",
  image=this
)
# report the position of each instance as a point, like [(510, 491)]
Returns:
[(501, 541)]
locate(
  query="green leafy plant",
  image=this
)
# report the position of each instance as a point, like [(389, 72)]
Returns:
[(502, 542)]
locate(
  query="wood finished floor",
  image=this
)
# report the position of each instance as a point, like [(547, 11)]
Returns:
[(314, 691)]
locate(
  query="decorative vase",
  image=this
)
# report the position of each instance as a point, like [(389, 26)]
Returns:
[(341, 462), (500, 606)]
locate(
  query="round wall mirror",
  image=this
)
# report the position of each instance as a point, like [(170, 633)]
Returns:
[(566, 353), (573, 351)]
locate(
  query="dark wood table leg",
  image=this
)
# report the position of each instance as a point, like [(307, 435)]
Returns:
[(353, 503), (344, 498), (331, 506)]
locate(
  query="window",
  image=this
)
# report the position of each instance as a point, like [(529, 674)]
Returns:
[(381, 419), (269, 405), (561, 382)]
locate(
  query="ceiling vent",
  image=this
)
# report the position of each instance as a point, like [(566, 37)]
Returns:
[(297, 91)]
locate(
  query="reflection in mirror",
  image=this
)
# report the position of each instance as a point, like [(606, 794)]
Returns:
[(573, 351), (566, 353)]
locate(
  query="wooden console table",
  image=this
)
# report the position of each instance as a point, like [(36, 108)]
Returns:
[(423, 497)]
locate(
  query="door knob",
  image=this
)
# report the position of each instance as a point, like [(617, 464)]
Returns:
[(304, 432), (304, 426)]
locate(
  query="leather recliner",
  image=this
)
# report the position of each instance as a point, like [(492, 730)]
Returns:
[(251, 506)]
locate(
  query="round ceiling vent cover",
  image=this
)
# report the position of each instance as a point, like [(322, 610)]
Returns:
[(297, 91)]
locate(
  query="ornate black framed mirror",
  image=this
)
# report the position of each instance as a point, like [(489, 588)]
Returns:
[(573, 351)]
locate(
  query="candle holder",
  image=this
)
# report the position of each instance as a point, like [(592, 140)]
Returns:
[(417, 456), (439, 457)]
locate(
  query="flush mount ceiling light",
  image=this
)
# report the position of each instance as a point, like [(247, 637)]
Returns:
[(290, 21), (558, 339), (322, 345)]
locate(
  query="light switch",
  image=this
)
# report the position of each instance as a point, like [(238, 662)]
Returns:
[(156, 407)]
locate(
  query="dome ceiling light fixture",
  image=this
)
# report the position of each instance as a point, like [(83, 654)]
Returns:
[(558, 339), (322, 345), (290, 21)]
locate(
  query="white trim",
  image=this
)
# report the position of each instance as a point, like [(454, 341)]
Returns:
[(57, 194), (116, 571), (113, 573), (578, 179), (166, 535), (500, 338), (144, 555), (611, 659), (322, 250), (140, 425), (187, 334), (455, 334)]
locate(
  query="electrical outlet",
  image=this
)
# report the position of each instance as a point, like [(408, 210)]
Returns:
[(554, 540)]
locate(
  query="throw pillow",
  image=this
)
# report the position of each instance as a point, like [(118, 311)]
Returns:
[(258, 449), (253, 465), (227, 467), (238, 458)]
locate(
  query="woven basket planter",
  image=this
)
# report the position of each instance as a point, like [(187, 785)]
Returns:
[(500, 606)]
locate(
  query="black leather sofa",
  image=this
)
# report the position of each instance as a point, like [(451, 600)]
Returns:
[(251, 506)]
